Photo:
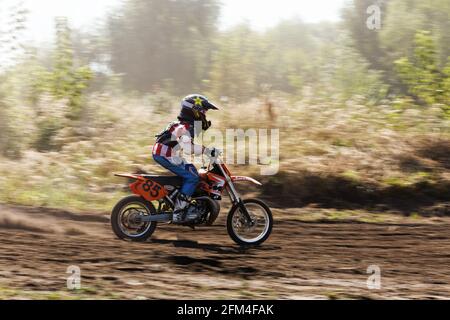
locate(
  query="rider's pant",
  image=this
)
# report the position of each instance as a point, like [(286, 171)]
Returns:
[(185, 170)]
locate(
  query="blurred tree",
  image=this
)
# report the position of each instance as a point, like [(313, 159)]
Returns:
[(67, 80), (283, 58), (400, 20), (92, 48), (11, 32), (405, 17), (365, 40), (12, 29), (3, 125), (342, 72), (352, 75), (11, 135), (235, 61), (288, 55), (446, 87), (156, 40)]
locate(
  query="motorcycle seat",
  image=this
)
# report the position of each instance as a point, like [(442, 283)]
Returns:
[(175, 181)]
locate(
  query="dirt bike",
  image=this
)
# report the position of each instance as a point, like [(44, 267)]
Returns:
[(135, 217)]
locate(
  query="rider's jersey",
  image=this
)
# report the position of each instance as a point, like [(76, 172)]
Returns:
[(176, 137)]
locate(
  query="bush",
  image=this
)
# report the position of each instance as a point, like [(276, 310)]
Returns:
[(421, 74)]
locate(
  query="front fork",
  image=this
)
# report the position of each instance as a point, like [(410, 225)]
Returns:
[(236, 200), (245, 212)]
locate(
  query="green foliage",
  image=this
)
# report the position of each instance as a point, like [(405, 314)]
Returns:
[(150, 43), (288, 58), (404, 18), (11, 137), (166, 49), (67, 81), (400, 21), (351, 74), (421, 73), (64, 82), (4, 128), (234, 66), (446, 89), (47, 129)]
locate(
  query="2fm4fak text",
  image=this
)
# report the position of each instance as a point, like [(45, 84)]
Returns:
[(227, 309)]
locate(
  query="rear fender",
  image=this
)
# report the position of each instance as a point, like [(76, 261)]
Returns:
[(130, 176), (147, 188)]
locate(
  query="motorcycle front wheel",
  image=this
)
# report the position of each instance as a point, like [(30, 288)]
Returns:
[(252, 233)]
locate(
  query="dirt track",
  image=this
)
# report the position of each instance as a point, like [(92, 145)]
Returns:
[(300, 260)]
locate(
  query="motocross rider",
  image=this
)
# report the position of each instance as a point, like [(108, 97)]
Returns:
[(178, 137)]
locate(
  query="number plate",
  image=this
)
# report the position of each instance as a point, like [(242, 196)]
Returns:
[(149, 189)]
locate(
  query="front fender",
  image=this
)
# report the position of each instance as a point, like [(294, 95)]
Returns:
[(242, 178)]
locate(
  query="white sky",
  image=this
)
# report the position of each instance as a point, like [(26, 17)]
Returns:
[(265, 13), (259, 13)]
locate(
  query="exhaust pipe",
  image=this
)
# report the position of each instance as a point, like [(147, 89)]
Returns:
[(165, 217)]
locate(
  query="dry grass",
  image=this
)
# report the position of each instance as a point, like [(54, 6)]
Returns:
[(331, 154)]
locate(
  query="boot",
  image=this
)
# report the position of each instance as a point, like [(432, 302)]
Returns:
[(180, 204)]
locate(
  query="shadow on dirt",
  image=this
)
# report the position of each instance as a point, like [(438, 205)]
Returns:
[(224, 259), (220, 249), (215, 264), (214, 248), (186, 260), (331, 191)]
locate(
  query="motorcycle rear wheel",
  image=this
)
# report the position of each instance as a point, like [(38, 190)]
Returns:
[(125, 219)]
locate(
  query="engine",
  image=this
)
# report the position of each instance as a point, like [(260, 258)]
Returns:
[(197, 212), (202, 210)]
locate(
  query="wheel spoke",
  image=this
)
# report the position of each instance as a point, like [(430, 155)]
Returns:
[(251, 232), (129, 220)]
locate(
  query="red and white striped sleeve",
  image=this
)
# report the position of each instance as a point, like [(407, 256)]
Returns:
[(185, 140)]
